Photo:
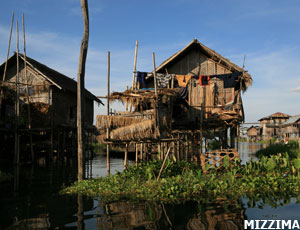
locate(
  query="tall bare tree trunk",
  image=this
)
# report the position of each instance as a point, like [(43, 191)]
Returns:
[(80, 89)]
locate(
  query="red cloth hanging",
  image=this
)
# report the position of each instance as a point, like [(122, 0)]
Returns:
[(204, 80)]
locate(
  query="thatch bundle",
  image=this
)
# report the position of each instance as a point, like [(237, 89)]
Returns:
[(136, 131), (142, 98), (105, 121)]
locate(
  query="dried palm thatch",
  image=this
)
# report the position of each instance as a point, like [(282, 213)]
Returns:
[(142, 97), (105, 121), (137, 131)]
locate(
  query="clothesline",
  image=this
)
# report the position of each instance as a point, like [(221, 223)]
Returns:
[(230, 80)]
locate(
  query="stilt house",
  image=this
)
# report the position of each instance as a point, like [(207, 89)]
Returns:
[(271, 125), (198, 96), (40, 98)]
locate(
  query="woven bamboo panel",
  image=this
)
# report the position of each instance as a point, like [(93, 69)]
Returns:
[(215, 158), (220, 69), (229, 95), (211, 68)]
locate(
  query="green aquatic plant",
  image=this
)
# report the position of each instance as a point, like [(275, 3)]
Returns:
[(292, 149), (183, 181)]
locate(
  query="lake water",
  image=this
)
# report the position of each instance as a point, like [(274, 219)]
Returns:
[(33, 202)]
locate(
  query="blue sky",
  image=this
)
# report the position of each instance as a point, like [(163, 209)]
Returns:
[(267, 31)]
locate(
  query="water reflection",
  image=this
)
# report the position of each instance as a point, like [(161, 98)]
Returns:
[(124, 215), (247, 151), (32, 201)]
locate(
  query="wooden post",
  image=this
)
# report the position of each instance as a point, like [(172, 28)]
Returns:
[(80, 89), (159, 151), (126, 107), (238, 137), (178, 150), (142, 153), (186, 147), (58, 146), (136, 155), (27, 92), (154, 73), (9, 42), (17, 105), (107, 130), (126, 157), (134, 65), (80, 213), (163, 164)]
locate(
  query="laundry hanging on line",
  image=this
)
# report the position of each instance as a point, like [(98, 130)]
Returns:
[(140, 77), (203, 80), (163, 80), (183, 79)]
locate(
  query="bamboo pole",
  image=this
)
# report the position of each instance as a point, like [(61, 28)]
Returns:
[(136, 155), (126, 157), (9, 42), (107, 130), (80, 89), (27, 91), (126, 107), (163, 164), (154, 73), (17, 106), (133, 86), (142, 153)]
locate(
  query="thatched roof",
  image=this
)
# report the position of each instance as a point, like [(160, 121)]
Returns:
[(195, 44), (58, 79)]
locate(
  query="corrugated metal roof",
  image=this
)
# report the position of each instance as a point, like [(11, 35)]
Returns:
[(291, 120)]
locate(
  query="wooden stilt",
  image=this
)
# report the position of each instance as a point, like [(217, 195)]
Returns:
[(136, 155), (27, 91), (58, 146), (125, 157), (178, 150), (80, 91), (108, 96), (163, 164), (142, 153), (17, 105), (186, 147), (159, 151)]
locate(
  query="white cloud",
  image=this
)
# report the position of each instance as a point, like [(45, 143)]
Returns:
[(296, 89), (274, 75)]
